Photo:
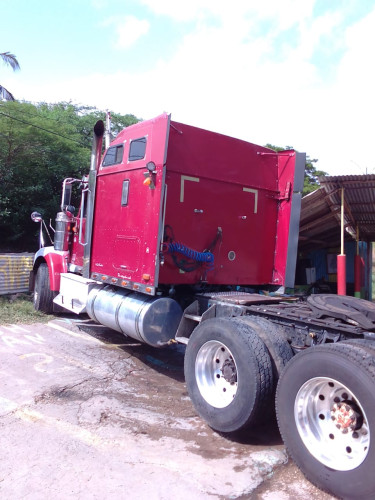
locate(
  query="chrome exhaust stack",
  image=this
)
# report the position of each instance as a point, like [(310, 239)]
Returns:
[(95, 160)]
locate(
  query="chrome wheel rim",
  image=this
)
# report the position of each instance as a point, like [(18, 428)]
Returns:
[(332, 424), (216, 374)]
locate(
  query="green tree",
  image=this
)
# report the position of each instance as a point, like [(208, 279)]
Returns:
[(311, 180), (10, 60), (40, 145)]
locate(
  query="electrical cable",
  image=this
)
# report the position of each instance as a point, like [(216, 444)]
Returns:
[(35, 115), (41, 128)]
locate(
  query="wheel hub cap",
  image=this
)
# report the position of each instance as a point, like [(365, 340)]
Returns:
[(216, 374), (332, 423), (229, 371), (345, 416)]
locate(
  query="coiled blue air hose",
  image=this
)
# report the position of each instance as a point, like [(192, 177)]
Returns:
[(203, 257)]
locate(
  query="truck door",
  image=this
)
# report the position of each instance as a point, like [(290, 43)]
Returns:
[(128, 207)]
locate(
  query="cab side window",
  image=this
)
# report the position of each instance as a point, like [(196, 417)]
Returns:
[(137, 149), (113, 155)]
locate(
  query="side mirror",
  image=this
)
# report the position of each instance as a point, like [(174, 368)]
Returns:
[(66, 196), (36, 217)]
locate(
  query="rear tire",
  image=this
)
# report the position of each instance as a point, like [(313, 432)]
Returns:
[(278, 347), (228, 374), (275, 340), (366, 344), (43, 295), (325, 405)]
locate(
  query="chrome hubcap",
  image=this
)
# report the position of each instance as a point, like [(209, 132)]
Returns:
[(332, 423), (216, 374)]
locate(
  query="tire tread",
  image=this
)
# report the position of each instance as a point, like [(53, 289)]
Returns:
[(252, 355), (361, 358), (44, 300)]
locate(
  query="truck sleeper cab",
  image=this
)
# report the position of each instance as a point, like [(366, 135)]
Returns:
[(178, 231)]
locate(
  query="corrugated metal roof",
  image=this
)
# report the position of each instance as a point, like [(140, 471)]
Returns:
[(320, 216), (14, 272)]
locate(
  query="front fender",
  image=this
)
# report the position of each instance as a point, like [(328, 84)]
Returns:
[(57, 263)]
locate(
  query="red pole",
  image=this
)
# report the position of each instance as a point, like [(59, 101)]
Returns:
[(341, 275)]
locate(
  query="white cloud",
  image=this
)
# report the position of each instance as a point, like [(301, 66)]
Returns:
[(348, 106), (234, 77), (128, 30), (286, 13)]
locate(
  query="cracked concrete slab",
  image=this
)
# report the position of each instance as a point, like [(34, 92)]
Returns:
[(88, 414)]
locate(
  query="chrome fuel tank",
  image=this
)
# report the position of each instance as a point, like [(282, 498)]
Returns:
[(151, 320)]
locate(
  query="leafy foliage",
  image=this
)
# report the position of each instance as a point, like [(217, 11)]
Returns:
[(40, 145), (18, 308), (10, 60), (311, 180)]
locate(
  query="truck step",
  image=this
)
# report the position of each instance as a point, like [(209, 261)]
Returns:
[(74, 291), (194, 317), (190, 319)]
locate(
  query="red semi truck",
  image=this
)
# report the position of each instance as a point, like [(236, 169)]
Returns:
[(185, 235)]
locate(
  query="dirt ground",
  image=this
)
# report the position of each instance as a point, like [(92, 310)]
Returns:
[(87, 414)]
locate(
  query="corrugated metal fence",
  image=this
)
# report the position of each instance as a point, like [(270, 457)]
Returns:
[(14, 272)]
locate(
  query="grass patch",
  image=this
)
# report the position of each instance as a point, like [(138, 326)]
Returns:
[(19, 309)]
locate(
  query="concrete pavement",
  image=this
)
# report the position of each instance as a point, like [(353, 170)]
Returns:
[(88, 414)]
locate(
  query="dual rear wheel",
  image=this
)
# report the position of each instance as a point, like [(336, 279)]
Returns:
[(325, 399), (325, 405), (230, 372)]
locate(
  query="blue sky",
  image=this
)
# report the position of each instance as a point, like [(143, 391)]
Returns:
[(288, 72)]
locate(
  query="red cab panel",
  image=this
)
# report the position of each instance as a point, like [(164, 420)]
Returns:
[(222, 195), (128, 206), (176, 204)]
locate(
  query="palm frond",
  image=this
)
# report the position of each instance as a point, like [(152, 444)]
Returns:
[(5, 94), (10, 59)]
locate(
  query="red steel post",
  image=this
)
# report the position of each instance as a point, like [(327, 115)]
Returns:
[(341, 275)]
